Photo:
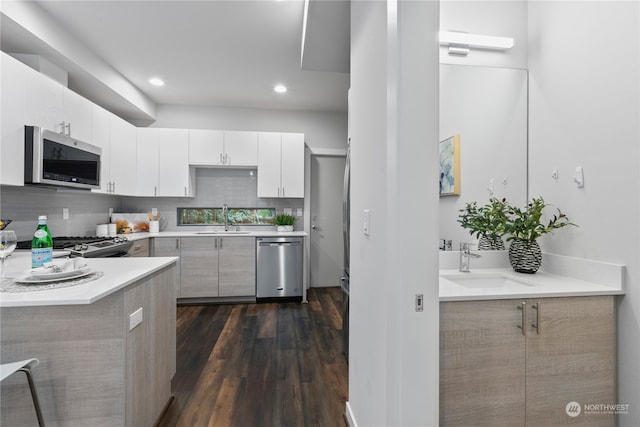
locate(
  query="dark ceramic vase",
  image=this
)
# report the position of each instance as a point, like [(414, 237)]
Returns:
[(525, 256)]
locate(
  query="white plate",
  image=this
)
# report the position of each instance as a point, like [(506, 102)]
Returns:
[(53, 277)]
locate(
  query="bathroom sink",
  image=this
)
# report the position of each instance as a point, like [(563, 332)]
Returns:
[(219, 232), (487, 281)]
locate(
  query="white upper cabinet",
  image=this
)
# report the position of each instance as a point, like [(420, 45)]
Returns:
[(163, 162), (123, 157), (206, 147), (269, 158), (281, 165), (173, 161), (148, 160), (77, 116), (293, 165), (13, 84), (45, 101), (101, 137), (240, 148), (223, 148)]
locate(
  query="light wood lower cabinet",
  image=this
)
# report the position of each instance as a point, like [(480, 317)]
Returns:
[(199, 266), (169, 246), (217, 267), (140, 248), (496, 371), (237, 266)]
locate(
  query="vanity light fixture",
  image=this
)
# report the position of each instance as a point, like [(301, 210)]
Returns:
[(156, 81), (279, 88), (460, 42)]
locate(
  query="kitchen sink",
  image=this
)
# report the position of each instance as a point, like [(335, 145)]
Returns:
[(487, 281), (218, 232)]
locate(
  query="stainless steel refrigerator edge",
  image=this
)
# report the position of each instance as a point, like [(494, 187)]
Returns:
[(345, 233)]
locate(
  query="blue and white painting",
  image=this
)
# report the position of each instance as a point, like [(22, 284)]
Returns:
[(450, 166)]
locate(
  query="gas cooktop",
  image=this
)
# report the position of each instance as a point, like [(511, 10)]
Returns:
[(88, 246)]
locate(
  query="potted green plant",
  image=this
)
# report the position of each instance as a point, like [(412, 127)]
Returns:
[(285, 222), (524, 227), (486, 222)]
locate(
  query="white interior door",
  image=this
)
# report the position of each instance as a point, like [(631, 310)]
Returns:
[(326, 221)]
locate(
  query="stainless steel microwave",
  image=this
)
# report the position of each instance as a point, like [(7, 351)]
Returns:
[(54, 159)]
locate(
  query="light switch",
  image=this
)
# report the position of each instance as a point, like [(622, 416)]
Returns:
[(366, 226), (299, 212), (65, 213)]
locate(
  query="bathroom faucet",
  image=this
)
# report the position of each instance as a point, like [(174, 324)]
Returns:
[(225, 214), (465, 254)]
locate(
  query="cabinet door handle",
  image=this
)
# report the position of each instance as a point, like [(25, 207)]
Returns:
[(185, 190), (155, 190), (227, 159), (523, 308), (215, 243), (68, 129), (177, 243), (221, 243), (221, 160), (537, 307)]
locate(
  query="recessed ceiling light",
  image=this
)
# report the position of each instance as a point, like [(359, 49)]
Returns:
[(156, 81), (280, 88)]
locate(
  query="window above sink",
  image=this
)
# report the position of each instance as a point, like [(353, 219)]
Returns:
[(236, 216)]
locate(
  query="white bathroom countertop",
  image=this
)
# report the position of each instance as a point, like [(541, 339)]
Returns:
[(542, 284), (118, 273)]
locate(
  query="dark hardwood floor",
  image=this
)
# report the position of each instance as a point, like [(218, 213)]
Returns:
[(265, 364)]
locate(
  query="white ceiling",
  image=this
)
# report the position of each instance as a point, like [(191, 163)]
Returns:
[(213, 53)]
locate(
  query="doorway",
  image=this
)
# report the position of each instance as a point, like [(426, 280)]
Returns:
[(326, 248)]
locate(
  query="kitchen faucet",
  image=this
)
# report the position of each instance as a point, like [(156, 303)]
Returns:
[(465, 254), (225, 214)]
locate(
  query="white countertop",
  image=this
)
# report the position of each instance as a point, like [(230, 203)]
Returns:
[(261, 233), (118, 273), (539, 285)]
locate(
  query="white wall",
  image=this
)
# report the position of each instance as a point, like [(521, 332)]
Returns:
[(393, 360), (492, 18), (584, 60), (321, 129)]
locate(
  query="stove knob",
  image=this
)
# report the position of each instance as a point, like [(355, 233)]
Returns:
[(77, 248), (84, 247)]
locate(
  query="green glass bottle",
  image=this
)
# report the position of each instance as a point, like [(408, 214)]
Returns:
[(42, 244)]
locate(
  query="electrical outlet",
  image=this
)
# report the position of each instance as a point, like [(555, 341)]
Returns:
[(419, 302), (299, 212), (287, 211), (65, 213), (135, 319)]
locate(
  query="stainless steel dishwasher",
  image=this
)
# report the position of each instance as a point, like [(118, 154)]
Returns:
[(279, 267)]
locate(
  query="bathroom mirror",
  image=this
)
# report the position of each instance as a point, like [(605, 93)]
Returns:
[(487, 108)]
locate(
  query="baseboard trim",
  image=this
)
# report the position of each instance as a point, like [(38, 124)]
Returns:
[(348, 414)]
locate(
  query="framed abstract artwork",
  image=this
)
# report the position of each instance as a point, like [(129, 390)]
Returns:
[(450, 166)]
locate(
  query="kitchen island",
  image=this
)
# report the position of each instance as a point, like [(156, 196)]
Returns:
[(106, 347)]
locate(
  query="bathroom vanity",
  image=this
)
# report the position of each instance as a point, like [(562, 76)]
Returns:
[(528, 350)]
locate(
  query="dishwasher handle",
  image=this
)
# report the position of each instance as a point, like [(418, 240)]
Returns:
[(276, 244)]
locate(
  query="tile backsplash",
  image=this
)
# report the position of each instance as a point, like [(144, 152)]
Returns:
[(214, 187), (86, 210), (237, 188)]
